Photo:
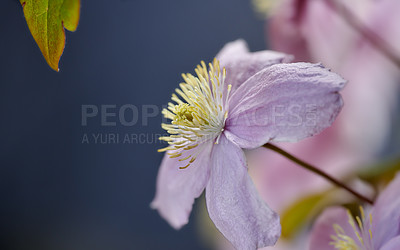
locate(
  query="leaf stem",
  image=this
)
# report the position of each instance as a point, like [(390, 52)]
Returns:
[(317, 171)]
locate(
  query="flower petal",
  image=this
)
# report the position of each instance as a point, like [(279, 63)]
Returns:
[(240, 64), (232, 51), (178, 188), (323, 228), (284, 102), (386, 214), (393, 244), (234, 204), (285, 32)]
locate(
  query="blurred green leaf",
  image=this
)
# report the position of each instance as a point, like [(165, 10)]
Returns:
[(46, 20), (381, 172), (297, 215)]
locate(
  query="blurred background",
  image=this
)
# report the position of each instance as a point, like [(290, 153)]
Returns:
[(59, 193), (67, 182)]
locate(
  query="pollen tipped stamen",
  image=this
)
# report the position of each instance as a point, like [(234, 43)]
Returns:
[(164, 149), (185, 166), (184, 159), (342, 241), (199, 114), (175, 155)]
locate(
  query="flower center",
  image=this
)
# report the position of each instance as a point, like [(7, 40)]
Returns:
[(199, 112), (183, 114), (342, 241)]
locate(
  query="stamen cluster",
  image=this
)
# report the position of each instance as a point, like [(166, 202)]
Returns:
[(199, 112), (342, 241)]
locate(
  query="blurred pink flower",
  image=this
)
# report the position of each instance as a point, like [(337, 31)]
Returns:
[(218, 114), (379, 229), (312, 30)]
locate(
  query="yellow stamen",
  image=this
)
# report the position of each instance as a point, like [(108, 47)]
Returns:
[(185, 166), (362, 213), (265, 8), (164, 149), (174, 155), (199, 114), (191, 147), (341, 241), (185, 158)]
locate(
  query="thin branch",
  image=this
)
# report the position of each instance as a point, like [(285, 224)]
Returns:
[(317, 171)]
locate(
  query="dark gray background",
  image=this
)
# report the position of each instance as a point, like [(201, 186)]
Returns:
[(57, 193)]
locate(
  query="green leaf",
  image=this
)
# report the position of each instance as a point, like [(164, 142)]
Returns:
[(46, 20), (382, 172), (298, 214)]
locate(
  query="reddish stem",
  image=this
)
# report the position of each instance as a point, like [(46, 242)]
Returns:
[(318, 172)]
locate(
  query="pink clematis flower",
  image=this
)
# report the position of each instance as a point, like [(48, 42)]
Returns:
[(379, 230), (316, 31), (219, 113), (313, 31)]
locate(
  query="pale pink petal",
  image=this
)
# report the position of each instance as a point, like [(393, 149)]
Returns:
[(178, 188), (393, 244), (241, 64), (386, 214), (284, 102), (322, 231), (312, 31), (284, 29), (233, 202), (385, 22), (328, 36), (232, 51), (329, 39)]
